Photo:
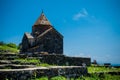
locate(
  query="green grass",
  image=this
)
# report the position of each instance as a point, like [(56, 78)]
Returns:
[(34, 61), (53, 78), (93, 69), (44, 65), (92, 77), (7, 48), (41, 78), (26, 60), (101, 77), (58, 78)]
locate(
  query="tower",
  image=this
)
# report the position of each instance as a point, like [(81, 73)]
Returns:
[(41, 25)]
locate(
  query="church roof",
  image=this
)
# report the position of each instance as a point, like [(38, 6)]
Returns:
[(48, 31), (45, 32), (28, 35), (42, 20)]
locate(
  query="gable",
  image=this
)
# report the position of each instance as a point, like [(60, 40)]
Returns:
[(28, 35), (51, 30), (28, 39)]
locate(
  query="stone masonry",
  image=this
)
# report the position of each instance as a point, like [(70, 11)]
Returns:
[(44, 38), (31, 73)]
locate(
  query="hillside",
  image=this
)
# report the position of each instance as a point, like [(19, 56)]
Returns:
[(8, 47)]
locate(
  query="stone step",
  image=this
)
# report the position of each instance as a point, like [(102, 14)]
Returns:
[(8, 56), (14, 66), (5, 62), (2, 62), (17, 62), (27, 73)]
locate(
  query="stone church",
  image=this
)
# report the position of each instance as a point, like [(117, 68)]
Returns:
[(44, 38)]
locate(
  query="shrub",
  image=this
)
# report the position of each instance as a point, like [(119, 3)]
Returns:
[(58, 78), (41, 78), (12, 45)]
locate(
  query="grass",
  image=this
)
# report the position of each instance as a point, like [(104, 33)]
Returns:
[(41, 78), (58, 78), (7, 48), (53, 78), (26, 60), (100, 77), (32, 61), (92, 77), (93, 69), (44, 65)]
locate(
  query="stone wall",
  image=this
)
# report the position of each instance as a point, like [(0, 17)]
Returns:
[(78, 61), (63, 60), (30, 73), (10, 71), (50, 42), (50, 58)]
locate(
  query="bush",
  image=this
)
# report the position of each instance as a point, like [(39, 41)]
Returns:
[(12, 45), (41, 78), (43, 65), (91, 77), (58, 78)]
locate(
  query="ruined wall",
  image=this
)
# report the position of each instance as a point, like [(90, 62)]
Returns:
[(11, 71), (78, 61), (31, 73), (64, 60)]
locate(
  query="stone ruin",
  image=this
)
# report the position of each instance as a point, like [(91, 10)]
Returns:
[(45, 39), (11, 69), (46, 44)]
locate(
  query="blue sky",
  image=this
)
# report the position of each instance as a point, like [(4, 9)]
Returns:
[(91, 28)]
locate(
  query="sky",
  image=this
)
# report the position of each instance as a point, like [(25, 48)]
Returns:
[(91, 28)]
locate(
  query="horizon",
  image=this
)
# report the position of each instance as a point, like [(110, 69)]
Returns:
[(90, 28)]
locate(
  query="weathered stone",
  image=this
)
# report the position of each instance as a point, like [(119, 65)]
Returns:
[(44, 38), (29, 73), (55, 59), (14, 66)]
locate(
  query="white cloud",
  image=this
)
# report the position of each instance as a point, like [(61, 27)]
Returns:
[(83, 13)]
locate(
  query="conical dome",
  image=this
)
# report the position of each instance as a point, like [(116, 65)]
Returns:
[(42, 20)]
